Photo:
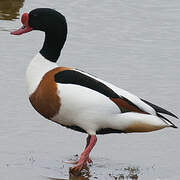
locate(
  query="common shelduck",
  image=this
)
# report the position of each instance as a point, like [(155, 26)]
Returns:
[(76, 99)]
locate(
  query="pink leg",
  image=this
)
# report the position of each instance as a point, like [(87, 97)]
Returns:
[(89, 160), (87, 143), (91, 141)]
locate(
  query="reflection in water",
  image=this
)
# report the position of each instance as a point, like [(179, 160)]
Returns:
[(9, 9), (126, 173), (72, 178), (129, 173), (83, 175)]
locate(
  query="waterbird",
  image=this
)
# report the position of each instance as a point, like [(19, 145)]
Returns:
[(76, 99)]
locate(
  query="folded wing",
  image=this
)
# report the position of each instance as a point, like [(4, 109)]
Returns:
[(126, 101)]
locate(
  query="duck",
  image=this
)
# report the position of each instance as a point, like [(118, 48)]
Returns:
[(76, 99)]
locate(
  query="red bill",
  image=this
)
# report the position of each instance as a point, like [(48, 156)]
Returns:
[(25, 28)]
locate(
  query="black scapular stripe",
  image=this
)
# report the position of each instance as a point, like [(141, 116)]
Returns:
[(78, 78)]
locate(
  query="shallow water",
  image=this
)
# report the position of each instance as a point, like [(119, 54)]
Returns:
[(134, 45)]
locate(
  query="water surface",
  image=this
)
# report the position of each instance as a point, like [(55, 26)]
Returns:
[(134, 45)]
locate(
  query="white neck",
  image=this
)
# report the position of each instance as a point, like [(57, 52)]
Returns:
[(36, 70)]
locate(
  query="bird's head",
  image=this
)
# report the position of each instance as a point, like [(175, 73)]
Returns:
[(43, 19)]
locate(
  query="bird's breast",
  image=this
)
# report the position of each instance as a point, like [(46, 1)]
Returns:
[(45, 98)]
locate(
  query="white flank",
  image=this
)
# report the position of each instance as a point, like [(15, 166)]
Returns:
[(83, 107)]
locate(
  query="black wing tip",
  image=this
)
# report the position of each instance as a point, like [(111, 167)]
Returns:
[(176, 117), (160, 109), (173, 115)]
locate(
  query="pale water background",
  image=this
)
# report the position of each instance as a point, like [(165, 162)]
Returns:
[(132, 44)]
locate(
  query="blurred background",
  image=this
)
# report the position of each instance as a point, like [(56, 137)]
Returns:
[(9, 9)]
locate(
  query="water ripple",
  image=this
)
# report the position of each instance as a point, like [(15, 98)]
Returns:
[(9, 9)]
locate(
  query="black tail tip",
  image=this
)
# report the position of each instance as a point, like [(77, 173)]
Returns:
[(173, 126)]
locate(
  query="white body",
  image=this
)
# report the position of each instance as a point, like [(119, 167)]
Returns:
[(89, 109)]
